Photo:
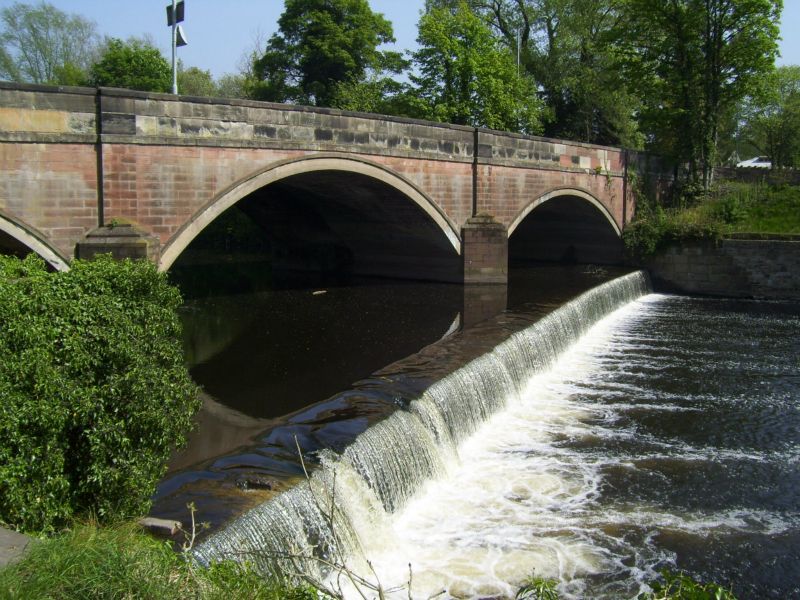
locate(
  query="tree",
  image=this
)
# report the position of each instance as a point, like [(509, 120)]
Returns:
[(567, 48), (134, 65), (467, 78), (41, 44), (378, 94), (319, 45), (232, 85), (195, 82), (692, 62), (772, 122)]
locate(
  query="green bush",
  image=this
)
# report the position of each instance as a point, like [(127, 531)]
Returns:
[(652, 232), (120, 561), (728, 208), (94, 391)]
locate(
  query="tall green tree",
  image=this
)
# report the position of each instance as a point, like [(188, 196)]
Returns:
[(319, 45), (41, 44), (772, 121), (134, 65), (692, 62), (467, 77), (566, 46)]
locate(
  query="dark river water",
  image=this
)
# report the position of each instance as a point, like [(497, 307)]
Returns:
[(667, 437)]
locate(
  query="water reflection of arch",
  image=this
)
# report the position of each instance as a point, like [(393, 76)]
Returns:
[(310, 165), (565, 225), (25, 237)]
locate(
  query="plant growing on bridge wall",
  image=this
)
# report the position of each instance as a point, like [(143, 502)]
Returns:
[(94, 391)]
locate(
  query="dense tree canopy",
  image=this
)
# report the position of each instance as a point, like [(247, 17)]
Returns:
[(566, 46), (319, 45), (41, 44), (467, 77), (772, 119), (193, 81), (692, 62), (135, 65)]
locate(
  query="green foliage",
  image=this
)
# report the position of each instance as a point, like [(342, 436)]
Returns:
[(120, 561), (692, 62), (133, 65), (95, 392), (378, 94), (567, 47), (231, 85), (727, 208), (41, 44), (195, 82), (682, 587), (649, 234), (537, 588), (466, 77), (319, 45), (772, 117)]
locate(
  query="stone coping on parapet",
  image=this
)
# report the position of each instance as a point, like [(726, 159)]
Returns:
[(236, 102)]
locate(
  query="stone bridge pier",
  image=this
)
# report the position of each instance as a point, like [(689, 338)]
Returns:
[(89, 170)]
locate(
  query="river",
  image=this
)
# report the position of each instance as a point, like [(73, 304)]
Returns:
[(664, 435)]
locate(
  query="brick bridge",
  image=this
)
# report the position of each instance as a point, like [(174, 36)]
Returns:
[(87, 170)]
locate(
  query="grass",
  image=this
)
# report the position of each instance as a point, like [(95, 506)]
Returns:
[(729, 209), (121, 561)]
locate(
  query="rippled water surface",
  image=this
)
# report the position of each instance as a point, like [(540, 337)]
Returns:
[(667, 437)]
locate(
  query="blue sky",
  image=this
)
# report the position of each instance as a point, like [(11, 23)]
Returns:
[(220, 31)]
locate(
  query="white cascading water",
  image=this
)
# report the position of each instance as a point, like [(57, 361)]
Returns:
[(439, 485)]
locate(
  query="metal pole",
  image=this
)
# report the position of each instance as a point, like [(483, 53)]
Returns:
[(174, 44)]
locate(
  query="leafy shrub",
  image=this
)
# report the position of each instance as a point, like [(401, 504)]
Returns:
[(648, 234), (94, 391), (730, 207)]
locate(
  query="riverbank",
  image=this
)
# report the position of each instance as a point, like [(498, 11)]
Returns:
[(766, 267)]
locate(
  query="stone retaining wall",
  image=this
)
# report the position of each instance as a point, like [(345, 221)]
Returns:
[(733, 267)]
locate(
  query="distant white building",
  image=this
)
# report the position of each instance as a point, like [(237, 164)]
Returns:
[(757, 162)]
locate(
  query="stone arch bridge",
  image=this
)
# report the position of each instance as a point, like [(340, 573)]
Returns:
[(89, 170)]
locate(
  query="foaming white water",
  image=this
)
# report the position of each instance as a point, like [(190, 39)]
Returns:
[(517, 500), (513, 503)]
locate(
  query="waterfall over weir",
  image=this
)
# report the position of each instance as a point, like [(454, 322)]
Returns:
[(334, 516)]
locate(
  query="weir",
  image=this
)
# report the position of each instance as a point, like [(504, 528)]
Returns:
[(328, 518)]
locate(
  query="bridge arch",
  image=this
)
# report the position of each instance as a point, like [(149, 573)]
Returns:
[(574, 192), (566, 224), (307, 165), (27, 237)]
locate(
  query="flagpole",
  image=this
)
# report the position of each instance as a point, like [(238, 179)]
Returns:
[(174, 44)]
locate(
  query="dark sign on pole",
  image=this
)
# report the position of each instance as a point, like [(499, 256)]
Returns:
[(179, 9)]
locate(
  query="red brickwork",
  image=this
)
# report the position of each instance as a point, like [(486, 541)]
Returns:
[(165, 160), (51, 188)]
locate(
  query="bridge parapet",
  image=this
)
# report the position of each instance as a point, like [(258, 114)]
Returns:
[(30, 113)]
